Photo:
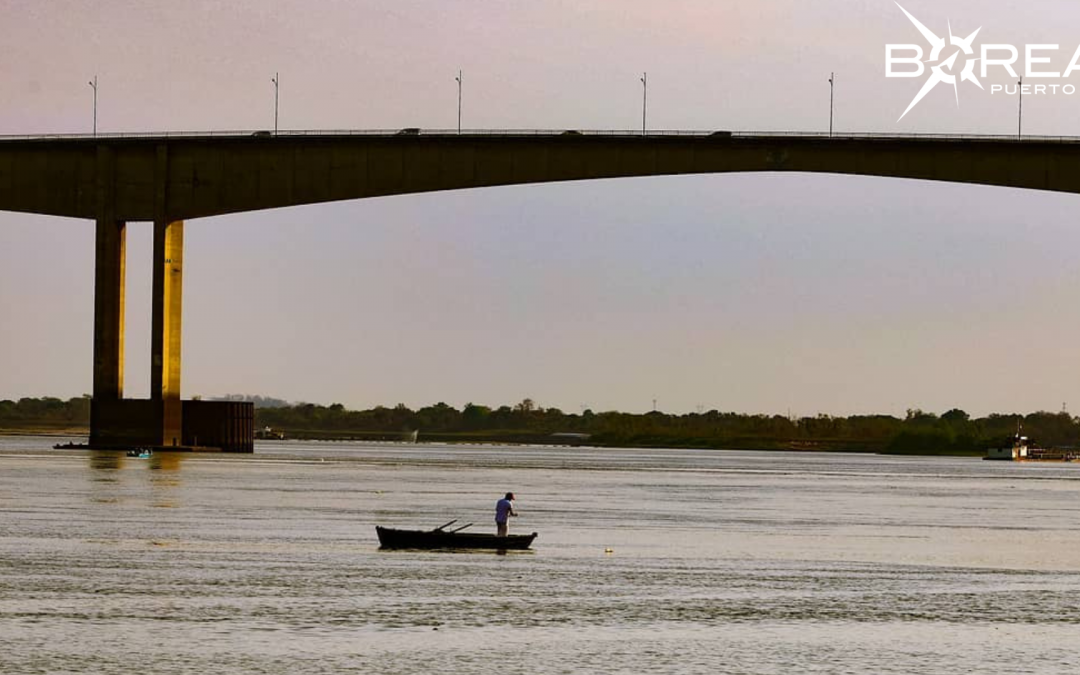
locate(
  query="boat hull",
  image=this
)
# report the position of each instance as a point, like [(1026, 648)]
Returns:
[(390, 538)]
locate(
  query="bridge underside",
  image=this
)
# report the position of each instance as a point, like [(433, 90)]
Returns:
[(156, 178), (167, 180)]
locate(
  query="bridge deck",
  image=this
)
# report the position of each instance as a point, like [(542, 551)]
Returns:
[(189, 175)]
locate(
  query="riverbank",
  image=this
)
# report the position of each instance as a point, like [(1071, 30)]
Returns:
[(57, 432), (953, 432), (524, 437)]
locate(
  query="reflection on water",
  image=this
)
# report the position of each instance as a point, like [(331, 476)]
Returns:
[(160, 471), (165, 477), (647, 560), (105, 464), (166, 461)]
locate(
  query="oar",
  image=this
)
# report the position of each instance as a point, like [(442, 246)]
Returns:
[(439, 528), (460, 528)]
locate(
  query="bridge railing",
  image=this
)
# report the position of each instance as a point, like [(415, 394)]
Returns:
[(651, 133)]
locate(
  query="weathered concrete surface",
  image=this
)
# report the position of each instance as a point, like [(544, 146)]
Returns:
[(109, 285), (179, 178), (165, 327), (127, 423)]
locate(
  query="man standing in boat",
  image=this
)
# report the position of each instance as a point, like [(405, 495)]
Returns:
[(504, 509)]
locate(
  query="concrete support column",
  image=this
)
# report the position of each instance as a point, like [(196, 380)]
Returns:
[(165, 327), (109, 267)]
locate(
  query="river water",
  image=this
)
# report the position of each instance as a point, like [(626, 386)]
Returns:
[(719, 562)]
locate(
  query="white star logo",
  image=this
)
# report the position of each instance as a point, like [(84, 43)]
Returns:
[(940, 73)]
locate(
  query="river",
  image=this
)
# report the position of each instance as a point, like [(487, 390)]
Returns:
[(647, 561)]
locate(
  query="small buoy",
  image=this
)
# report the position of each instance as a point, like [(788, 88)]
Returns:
[(609, 550)]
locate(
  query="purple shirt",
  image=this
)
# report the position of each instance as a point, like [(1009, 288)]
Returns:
[(503, 509)]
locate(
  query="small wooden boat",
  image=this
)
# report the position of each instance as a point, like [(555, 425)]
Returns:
[(441, 538)]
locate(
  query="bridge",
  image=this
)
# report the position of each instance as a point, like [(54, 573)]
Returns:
[(114, 179)]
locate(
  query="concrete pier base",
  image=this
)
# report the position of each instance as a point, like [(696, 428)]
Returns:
[(226, 426)]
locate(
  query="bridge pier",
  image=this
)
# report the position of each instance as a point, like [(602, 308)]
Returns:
[(109, 276), (162, 421), (165, 328)]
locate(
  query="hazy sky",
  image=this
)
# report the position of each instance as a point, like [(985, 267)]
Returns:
[(745, 292)]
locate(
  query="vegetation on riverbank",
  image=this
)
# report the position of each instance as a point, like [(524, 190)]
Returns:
[(45, 416), (951, 433)]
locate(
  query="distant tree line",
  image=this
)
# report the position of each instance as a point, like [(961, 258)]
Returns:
[(45, 413), (953, 432), (918, 432)]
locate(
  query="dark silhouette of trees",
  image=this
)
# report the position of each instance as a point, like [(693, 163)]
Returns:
[(45, 413), (919, 432)]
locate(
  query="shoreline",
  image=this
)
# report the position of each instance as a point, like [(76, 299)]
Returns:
[(65, 432), (526, 438)]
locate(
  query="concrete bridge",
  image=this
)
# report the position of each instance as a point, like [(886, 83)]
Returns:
[(167, 179)]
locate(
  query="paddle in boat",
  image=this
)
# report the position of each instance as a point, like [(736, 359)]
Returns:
[(440, 537)]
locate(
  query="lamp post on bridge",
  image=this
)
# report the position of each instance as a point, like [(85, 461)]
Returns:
[(1020, 112), (832, 84), (93, 85), (276, 79), (458, 78), (644, 99)]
